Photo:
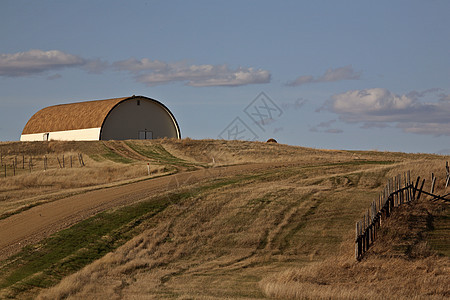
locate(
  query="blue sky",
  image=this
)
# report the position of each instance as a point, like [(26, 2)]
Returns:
[(324, 74)]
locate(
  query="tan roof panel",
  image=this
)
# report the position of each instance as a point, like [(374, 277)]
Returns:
[(81, 115)]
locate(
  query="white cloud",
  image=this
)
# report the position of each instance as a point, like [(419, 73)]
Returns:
[(150, 72), (195, 75), (371, 104), (135, 66), (342, 73), (379, 107), (36, 61)]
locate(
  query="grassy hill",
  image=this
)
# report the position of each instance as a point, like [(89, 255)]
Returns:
[(283, 231)]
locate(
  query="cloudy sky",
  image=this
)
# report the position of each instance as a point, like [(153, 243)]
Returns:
[(369, 75)]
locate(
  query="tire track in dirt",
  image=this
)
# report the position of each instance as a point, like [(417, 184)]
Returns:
[(119, 148), (39, 222)]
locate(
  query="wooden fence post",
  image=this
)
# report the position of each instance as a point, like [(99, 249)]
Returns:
[(381, 208), (364, 234), (415, 187), (406, 187), (357, 241), (398, 190), (80, 159), (433, 181), (368, 230), (394, 188), (402, 191), (447, 169), (408, 174), (391, 204), (420, 190)]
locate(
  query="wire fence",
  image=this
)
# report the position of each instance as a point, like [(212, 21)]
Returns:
[(21, 164)]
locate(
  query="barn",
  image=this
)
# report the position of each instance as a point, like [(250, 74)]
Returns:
[(135, 117)]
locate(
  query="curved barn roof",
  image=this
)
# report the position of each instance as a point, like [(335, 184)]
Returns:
[(81, 115)]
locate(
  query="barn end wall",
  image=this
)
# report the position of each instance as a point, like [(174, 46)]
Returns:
[(89, 134), (138, 114)]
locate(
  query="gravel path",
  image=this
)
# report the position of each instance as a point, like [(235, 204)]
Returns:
[(39, 222)]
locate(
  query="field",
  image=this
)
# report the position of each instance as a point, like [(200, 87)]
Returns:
[(216, 220)]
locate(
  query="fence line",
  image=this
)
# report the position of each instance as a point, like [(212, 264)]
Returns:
[(19, 164), (397, 191)]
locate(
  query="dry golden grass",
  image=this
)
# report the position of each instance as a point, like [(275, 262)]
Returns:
[(375, 279), (281, 233), (234, 152), (105, 163), (243, 241), (31, 188), (400, 265)]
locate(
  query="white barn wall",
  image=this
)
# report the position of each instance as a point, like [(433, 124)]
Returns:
[(89, 134)]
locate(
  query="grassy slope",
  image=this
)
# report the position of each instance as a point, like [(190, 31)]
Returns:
[(221, 238)]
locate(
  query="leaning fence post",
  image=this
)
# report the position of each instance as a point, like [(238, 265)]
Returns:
[(447, 169), (80, 159), (420, 190), (433, 181)]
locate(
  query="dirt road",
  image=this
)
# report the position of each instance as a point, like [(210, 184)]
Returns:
[(41, 221)]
